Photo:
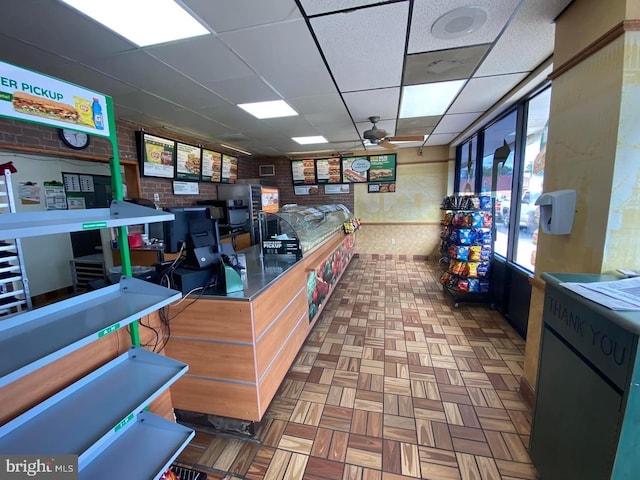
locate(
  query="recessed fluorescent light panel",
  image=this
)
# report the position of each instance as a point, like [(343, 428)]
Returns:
[(428, 100), (144, 22), (309, 140), (274, 109), (235, 149)]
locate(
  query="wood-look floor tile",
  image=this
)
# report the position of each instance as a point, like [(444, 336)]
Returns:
[(299, 430), (245, 458), (471, 446), (228, 455), (432, 471), (322, 468), (516, 448), (410, 459), (525, 471), (338, 447), (442, 436), (352, 472), (364, 458), (191, 454), (278, 465), (213, 451), (452, 413), (468, 467), (322, 443), (488, 468), (296, 467), (391, 456)]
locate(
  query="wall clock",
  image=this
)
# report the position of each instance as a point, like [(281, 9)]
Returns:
[(73, 139)]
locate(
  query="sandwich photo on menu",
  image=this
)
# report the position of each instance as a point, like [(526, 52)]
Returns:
[(380, 173), (43, 107)]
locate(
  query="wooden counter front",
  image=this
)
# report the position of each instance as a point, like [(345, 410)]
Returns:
[(240, 350)]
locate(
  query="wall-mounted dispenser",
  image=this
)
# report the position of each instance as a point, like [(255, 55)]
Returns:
[(557, 210)]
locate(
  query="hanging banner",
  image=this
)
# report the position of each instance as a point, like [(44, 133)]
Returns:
[(33, 97)]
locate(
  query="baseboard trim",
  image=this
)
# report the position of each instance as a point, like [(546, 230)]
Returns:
[(527, 392)]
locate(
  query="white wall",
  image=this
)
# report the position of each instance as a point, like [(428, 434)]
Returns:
[(47, 257)]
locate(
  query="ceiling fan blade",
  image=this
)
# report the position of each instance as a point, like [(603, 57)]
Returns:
[(386, 144), (407, 138)]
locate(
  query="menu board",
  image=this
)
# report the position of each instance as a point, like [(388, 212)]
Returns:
[(306, 190), (211, 166), (187, 162), (354, 169), (156, 155), (328, 170), (303, 172), (383, 168), (229, 169)]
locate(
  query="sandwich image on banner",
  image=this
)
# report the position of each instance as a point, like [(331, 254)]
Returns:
[(44, 107)]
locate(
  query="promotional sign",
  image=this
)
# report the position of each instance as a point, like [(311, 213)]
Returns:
[(33, 97), (282, 247), (187, 162), (211, 166), (306, 190), (303, 172), (270, 199), (156, 155), (328, 170), (354, 169), (383, 168), (229, 169)]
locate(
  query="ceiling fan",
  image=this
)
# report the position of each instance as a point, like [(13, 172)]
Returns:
[(378, 136)]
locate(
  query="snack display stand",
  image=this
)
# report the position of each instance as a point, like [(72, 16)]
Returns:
[(466, 248), (100, 417)]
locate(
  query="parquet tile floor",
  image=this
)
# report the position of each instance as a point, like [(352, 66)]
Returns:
[(393, 383)]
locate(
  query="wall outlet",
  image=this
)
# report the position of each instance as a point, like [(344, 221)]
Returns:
[(156, 197), (393, 241)]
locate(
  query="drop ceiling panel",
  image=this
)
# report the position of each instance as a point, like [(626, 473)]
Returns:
[(226, 16), (382, 102), (426, 12), (532, 26), (25, 55), (59, 29), (417, 125), (292, 127), (237, 119), (354, 42), (152, 76), (442, 65), (191, 120), (148, 104), (481, 93), (315, 7), (440, 139), (456, 122), (320, 106), (203, 59), (286, 56), (243, 90), (89, 78)]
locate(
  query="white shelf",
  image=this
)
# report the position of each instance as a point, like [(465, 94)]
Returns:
[(31, 340), (86, 417), (32, 224), (144, 450)]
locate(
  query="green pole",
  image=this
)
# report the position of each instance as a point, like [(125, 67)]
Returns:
[(116, 185)]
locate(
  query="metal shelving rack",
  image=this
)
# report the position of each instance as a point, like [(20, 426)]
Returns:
[(101, 417), (14, 285)]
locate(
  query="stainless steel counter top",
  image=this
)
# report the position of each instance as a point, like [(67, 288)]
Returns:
[(261, 272)]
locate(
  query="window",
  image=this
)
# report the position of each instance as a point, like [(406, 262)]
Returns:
[(532, 177), (497, 174), (467, 183)]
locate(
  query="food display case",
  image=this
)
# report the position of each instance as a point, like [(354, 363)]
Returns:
[(302, 227)]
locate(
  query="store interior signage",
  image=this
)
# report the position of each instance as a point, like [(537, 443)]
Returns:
[(345, 170)]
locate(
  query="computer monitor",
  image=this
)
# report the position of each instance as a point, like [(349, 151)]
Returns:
[(193, 227)]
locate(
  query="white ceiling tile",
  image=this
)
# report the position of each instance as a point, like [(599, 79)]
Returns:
[(417, 125), (426, 12), (353, 44), (90, 78), (285, 56), (228, 16), (61, 29), (532, 26), (455, 122), (315, 7), (29, 56), (203, 59), (440, 139), (147, 104), (481, 93), (381, 102), (442, 65), (243, 90)]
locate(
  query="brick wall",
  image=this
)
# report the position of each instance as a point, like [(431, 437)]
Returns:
[(284, 181), (46, 140)]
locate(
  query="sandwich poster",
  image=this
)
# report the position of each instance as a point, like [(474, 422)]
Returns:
[(211, 166), (229, 169), (156, 155), (328, 170), (383, 168), (303, 172), (33, 97), (187, 162), (354, 169)]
